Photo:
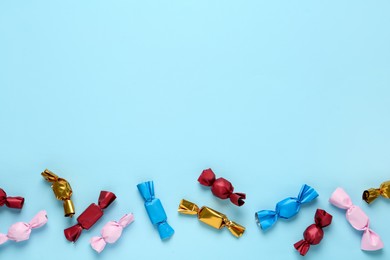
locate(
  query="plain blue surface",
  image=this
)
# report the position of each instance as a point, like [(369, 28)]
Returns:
[(269, 94)]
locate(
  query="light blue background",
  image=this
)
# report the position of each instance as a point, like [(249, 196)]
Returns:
[(270, 94)]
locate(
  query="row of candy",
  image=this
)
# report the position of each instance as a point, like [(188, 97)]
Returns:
[(110, 233), (221, 188)]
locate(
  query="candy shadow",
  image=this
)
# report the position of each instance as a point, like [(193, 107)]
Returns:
[(218, 232), (374, 253), (10, 210), (372, 204)]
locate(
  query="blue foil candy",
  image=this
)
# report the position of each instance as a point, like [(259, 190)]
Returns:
[(155, 210), (286, 208)]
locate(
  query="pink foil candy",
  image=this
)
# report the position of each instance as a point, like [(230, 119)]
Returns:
[(111, 232), (21, 231), (358, 220)]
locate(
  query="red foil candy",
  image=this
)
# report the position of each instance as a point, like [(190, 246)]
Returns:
[(10, 202), (90, 216), (221, 187), (314, 233)]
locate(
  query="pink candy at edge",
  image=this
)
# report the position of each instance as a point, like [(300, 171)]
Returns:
[(111, 232), (358, 220), (21, 231)]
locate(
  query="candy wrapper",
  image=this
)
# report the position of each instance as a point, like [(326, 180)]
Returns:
[(286, 208), (314, 233), (21, 231), (111, 232), (90, 216), (155, 210), (372, 194), (358, 220), (211, 217), (11, 202), (62, 191), (221, 187)]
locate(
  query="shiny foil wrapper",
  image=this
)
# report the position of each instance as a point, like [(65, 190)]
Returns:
[(90, 216), (314, 233), (372, 194), (221, 187), (10, 202), (62, 191), (211, 217), (155, 210), (286, 209)]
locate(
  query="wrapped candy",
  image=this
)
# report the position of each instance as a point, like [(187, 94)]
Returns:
[(211, 217), (10, 202), (221, 187), (62, 191), (358, 220), (111, 232), (314, 233), (372, 194), (286, 208), (90, 216), (155, 210), (21, 231)]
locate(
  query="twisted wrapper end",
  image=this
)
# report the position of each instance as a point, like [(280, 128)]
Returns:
[(322, 218), (3, 238), (105, 199), (49, 176), (39, 220), (126, 220), (236, 229), (370, 195), (340, 199), (307, 194), (73, 233), (11, 202), (302, 247), (266, 218), (238, 198), (146, 190), (207, 177), (68, 208), (371, 241), (98, 244), (188, 208), (165, 230)]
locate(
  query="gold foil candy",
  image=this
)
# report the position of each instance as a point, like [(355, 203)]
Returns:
[(211, 217), (372, 194), (62, 191)]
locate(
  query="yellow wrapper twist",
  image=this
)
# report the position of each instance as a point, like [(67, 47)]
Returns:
[(62, 191), (211, 217), (372, 194)]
